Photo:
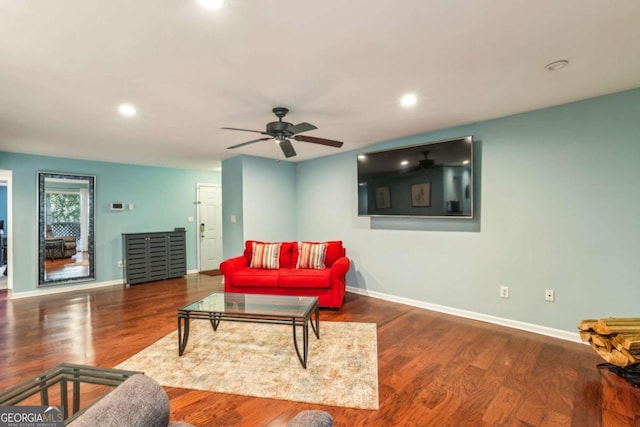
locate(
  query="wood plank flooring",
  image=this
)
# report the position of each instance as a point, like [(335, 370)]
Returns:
[(63, 268), (434, 369)]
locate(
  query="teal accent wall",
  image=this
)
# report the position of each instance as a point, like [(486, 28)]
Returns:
[(269, 199), (559, 210), (261, 193), (163, 198)]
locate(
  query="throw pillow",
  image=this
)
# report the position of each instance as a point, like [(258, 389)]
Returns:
[(311, 255), (265, 255)]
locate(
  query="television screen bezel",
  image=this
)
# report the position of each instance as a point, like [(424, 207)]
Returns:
[(467, 138)]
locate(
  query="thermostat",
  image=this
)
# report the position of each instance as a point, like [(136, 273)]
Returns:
[(117, 206)]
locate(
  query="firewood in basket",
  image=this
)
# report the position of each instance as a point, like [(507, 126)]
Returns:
[(615, 325), (586, 335), (601, 341), (587, 324), (629, 341)]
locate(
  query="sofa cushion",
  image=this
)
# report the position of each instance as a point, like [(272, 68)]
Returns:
[(311, 255), (287, 258), (255, 277), (334, 251), (265, 255), (304, 278)]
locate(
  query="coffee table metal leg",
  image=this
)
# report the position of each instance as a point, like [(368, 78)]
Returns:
[(215, 321), (315, 323), (305, 337), (183, 333), (305, 341)]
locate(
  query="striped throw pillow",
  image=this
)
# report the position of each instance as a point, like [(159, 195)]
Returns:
[(265, 255), (311, 255)]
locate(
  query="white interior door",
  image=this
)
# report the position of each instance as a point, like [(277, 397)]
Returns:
[(210, 226)]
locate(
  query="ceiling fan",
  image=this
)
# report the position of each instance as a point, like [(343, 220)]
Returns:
[(283, 132)]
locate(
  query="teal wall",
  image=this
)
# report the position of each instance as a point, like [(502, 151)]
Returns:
[(269, 199), (163, 198), (261, 194), (558, 209)]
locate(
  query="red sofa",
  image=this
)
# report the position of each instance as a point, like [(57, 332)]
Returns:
[(328, 284)]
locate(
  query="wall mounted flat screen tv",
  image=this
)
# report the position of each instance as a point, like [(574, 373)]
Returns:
[(433, 180)]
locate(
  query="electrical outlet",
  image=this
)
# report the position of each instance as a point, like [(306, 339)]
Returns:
[(504, 291), (120, 263), (549, 295)]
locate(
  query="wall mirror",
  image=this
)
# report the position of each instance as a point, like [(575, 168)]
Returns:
[(65, 228)]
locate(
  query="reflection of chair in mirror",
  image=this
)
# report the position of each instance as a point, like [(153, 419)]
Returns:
[(59, 246)]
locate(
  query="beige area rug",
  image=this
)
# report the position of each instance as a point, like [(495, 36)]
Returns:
[(260, 360)]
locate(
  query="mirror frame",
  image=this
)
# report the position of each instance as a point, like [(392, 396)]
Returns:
[(42, 176)]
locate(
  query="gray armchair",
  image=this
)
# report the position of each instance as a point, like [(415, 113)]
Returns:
[(138, 402)]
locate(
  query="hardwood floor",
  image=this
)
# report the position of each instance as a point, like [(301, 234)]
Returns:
[(434, 369), (63, 268)]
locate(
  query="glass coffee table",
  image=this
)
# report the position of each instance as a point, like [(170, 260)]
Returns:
[(52, 387), (253, 308)]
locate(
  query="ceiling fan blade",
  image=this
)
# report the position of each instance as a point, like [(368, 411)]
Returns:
[(247, 130), (287, 148), (248, 142), (322, 141), (300, 127)]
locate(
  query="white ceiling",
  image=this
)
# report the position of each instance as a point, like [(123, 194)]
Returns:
[(65, 65)]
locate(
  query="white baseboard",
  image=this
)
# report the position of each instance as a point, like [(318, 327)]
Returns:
[(59, 290), (529, 327)]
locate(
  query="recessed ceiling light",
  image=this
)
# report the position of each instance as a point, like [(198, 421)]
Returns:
[(465, 162), (404, 163), (212, 4), (409, 100), (127, 110), (556, 65), (361, 157)]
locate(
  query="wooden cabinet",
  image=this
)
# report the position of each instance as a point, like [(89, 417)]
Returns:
[(154, 256)]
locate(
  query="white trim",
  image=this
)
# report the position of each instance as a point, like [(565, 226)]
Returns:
[(83, 287), (53, 290), (529, 327)]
